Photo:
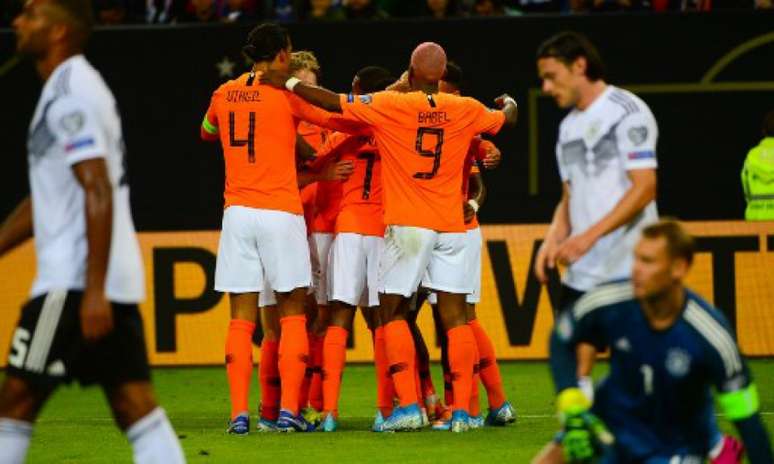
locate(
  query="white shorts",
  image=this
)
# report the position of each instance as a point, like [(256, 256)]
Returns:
[(260, 249), (415, 255), (353, 269), (266, 297), (320, 247), (473, 242)]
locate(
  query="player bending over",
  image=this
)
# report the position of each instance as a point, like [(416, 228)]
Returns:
[(668, 348)]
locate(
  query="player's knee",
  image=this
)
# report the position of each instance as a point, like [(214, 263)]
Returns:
[(131, 402), (19, 401), (342, 317)]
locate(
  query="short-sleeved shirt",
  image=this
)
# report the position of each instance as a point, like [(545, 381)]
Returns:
[(257, 125), (77, 119), (423, 141), (657, 396), (360, 210), (596, 148)]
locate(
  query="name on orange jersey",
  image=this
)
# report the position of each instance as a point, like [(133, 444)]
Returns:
[(243, 96), (432, 117)]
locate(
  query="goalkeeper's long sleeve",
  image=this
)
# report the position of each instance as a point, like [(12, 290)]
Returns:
[(755, 439)]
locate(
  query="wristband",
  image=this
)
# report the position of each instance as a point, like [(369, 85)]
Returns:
[(292, 82), (474, 204), (510, 100)]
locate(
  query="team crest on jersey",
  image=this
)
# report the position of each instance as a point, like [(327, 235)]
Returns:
[(72, 122), (678, 362), (638, 134), (593, 130), (623, 344), (366, 99)]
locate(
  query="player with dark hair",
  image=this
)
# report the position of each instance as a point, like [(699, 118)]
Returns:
[(668, 348), (354, 258), (82, 321), (423, 137), (264, 240), (606, 153)]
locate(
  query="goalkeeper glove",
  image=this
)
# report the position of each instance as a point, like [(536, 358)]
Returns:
[(584, 437)]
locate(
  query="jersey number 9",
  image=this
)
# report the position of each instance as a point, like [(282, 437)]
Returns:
[(435, 153)]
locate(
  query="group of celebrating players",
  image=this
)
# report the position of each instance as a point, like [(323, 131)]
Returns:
[(368, 199), (373, 213)]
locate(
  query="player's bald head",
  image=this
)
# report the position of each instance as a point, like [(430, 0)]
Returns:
[(428, 62)]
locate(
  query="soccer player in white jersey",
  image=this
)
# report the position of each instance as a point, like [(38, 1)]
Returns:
[(82, 322), (606, 152)]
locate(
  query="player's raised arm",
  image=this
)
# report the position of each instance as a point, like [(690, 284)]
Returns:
[(509, 107), (317, 96), (17, 227)]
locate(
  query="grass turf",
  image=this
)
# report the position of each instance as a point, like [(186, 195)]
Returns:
[(75, 427)]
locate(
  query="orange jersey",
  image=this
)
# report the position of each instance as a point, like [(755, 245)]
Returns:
[(326, 206), (315, 136), (308, 195), (423, 141), (257, 125), (360, 210)]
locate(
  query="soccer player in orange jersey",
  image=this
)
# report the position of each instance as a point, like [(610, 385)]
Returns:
[(263, 236), (356, 249), (423, 138), (500, 410), (304, 65)]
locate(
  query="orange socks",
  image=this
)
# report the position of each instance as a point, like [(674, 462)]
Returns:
[(401, 355), (385, 389), (303, 395), (239, 363), (293, 359), (475, 402), (462, 357), (316, 388), (334, 357), (268, 373), (489, 371)]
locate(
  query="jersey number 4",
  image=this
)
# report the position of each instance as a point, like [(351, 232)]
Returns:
[(249, 141), (435, 153)]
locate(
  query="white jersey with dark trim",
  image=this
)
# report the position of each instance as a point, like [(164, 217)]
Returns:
[(76, 119), (596, 147)]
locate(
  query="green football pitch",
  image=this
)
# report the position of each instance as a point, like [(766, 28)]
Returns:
[(76, 427)]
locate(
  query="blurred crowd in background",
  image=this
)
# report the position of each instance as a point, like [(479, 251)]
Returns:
[(112, 12)]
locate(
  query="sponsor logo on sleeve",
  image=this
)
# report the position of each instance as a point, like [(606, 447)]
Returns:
[(366, 99)]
